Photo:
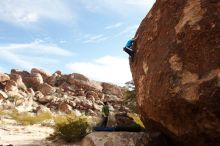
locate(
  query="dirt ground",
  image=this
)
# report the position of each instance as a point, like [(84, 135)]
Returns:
[(31, 135)]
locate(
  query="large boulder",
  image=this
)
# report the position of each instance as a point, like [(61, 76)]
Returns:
[(52, 80), (123, 139), (11, 86), (176, 70), (33, 80), (46, 89), (64, 108), (43, 73), (18, 79), (111, 89), (4, 77), (80, 81)]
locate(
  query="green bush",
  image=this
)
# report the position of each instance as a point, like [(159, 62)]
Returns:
[(72, 130)]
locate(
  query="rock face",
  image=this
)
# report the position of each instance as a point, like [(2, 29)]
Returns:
[(176, 70)]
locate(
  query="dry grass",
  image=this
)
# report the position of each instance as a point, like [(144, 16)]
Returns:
[(136, 118), (25, 119)]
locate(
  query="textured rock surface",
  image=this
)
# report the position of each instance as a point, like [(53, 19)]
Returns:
[(46, 89), (43, 73), (176, 70), (111, 89), (4, 77), (115, 139)]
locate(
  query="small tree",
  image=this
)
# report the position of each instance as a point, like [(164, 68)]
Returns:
[(130, 95)]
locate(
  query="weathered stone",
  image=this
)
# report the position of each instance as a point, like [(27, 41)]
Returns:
[(77, 112), (80, 77), (90, 94), (42, 109), (46, 99), (19, 101), (14, 95), (11, 86), (116, 139), (111, 89), (4, 77), (18, 79), (46, 89), (33, 81), (176, 70), (64, 108), (52, 80), (31, 92), (112, 98), (24, 105), (3, 95), (96, 85), (58, 72), (80, 92), (43, 73), (19, 72)]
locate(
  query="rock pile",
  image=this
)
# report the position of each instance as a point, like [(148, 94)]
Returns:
[(40, 91)]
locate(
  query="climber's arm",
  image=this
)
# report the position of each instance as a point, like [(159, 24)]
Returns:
[(135, 38)]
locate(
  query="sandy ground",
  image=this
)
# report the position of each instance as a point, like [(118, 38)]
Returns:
[(18, 135)]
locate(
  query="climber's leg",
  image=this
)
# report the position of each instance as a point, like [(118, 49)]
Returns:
[(130, 52)]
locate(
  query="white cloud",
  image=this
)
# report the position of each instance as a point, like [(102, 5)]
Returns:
[(114, 25), (108, 68), (36, 47), (33, 54), (94, 38), (21, 12)]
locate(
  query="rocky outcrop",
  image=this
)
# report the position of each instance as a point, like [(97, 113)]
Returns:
[(176, 70), (56, 92)]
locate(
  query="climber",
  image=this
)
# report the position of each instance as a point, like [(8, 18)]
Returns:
[(105, 113), (129, 48)]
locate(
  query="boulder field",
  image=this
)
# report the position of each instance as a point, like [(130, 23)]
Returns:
[(39, 91)]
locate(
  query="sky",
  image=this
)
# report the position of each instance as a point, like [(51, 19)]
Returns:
[(73, 36)]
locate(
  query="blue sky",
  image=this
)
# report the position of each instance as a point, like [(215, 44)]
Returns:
[(83, 36)]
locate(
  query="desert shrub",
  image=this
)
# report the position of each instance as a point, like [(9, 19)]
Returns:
[(2, 113), (59, 119), (70, 129), (25, 119)]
